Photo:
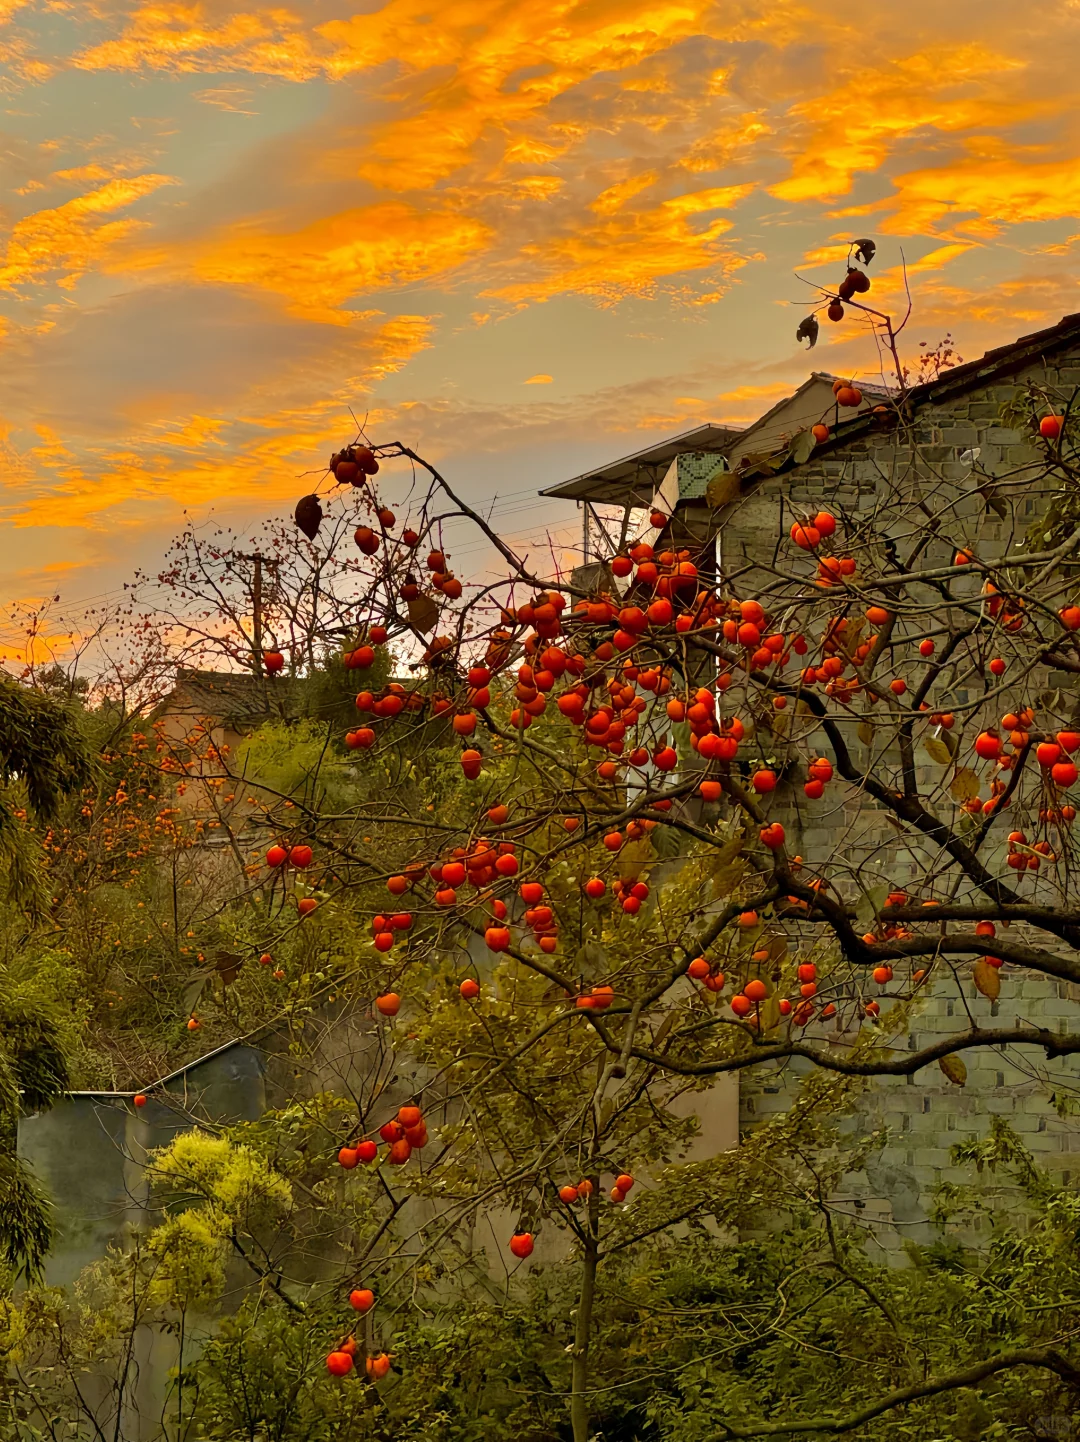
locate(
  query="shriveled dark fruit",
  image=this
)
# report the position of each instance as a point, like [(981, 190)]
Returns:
[(860, 283), (845, 289), (309, 514), (836, 311)]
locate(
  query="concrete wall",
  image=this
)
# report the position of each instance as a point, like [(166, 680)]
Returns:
[(90, 1152)]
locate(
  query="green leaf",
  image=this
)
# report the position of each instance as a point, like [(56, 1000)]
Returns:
[(761, 463), (866, 733), (724, 881), (802, 446), (937, 749), (192, 992), (777, 944), (726, 854), (633, 858), (870, 903), (591, 957), (769, 1011)]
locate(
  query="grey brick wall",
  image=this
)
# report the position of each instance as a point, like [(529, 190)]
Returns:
[(926, 1115)]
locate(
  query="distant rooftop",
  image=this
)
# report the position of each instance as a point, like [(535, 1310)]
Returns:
[(230, 695)]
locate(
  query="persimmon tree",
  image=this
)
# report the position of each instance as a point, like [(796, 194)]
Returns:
[(611, 862), (255, 601), (789, 1330)]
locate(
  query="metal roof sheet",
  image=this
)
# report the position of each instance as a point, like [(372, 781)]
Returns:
[(635, 477)]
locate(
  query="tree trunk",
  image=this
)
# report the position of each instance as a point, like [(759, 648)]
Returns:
[(579, 1377)]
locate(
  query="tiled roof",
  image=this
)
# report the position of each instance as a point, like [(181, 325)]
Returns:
[(230, 695), (633, 479), (1000, 360), (868, 388)]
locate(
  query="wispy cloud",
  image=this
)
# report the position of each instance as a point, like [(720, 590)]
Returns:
[(184, 38), (234, 98)]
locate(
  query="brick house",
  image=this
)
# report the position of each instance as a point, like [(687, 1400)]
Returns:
[(956, 421), (233, 703)]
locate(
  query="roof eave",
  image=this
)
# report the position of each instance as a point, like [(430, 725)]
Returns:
[(620, 477)]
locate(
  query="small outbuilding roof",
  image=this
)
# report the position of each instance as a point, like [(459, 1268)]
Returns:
[(634, 478)]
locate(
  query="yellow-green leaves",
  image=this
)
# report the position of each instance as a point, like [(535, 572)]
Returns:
[(218, 1188), (190, 1257), (224, 1176)]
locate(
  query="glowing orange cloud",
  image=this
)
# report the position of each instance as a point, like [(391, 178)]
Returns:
[(321, 267), (475, 51), (853, 127), (979, 195), (628, 251), (74, 237), (505, 154), (179, 37), (202, 459)]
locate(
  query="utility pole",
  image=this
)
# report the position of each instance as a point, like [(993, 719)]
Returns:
[(258, 561)]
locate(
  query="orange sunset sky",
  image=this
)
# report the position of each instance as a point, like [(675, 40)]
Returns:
[(523, 236)]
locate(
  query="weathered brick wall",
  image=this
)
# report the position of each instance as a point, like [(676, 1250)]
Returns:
[(925, 1115)]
